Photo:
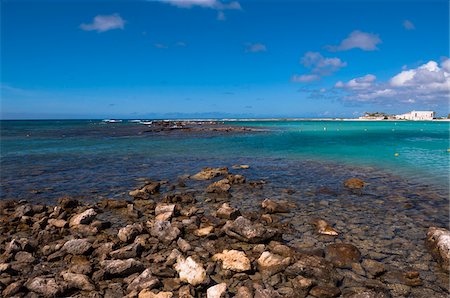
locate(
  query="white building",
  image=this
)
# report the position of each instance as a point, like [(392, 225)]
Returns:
[(417, 115)]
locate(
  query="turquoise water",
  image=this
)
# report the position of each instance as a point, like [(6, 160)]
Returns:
[(421, 146)]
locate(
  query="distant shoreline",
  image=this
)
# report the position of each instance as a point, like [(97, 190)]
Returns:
[(125, 120)]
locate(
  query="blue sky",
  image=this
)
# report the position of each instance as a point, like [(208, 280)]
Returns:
[(211, 58)]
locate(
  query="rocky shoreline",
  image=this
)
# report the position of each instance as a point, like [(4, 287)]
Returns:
[(171, 242)]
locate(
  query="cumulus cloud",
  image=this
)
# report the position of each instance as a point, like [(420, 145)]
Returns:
[(428, 83), (255, 47), (321, 65), (408, 25), (213, 4), (103, 23), (305, 78), (358, 40)]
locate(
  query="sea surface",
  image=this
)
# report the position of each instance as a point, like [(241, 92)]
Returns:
[(50, 158), (405, 166)]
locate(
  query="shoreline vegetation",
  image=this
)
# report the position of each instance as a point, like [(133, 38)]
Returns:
[(168, 241)]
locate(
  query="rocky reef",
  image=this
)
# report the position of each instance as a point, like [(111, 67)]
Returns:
[(164, 241)]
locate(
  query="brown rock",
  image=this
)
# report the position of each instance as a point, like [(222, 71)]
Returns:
[(128, 233), (270, 264), (272, 206), (354, 183), (227, 212), (221, 186), (438, 241), (325, 292), (244, 230), (209, 173), (342, 255)]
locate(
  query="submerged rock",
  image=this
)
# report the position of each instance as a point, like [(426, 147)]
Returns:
[(236, 179), (272, 206), (145, 192), (438, 241), (221, 186), (322, 227), (270, 264), (354, 183), (233, 260), (190, 271), (244, 230), (342, 255), (209, 173)]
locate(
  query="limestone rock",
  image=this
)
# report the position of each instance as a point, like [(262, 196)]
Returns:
[(121, 267), (209, 173), (77, 246), (164, 231), (233, 260), (190, 271), (128, 233), (438, 241), (270, 264), (221, 186), (78, 281), (164, 211), (244, 230), (217, 291), (227, 212), (83, 218), (202, 232), (46, 287)]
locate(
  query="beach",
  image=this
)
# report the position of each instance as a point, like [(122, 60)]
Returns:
[(129, 214)]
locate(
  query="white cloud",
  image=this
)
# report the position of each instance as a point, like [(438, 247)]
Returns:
[(408, 25), (103, 23), (255, 47), (428, 83), (358, 40), (321, 65), (305, 78), (213, 4), (161, 46)]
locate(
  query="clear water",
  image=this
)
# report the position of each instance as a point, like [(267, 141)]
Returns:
[(64, 149)]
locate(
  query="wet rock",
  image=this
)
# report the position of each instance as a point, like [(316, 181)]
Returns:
[(164, 211), (190, 271), (83, 218), (236, 179), (179, 197), (438, 241), (325, 292), (77, 246), (57, 223), (270, 264), (130, 251), (113, 204), (244, 230), (272, 206), (121, 267), (68, 203), (149, 294), (128, 234), (46, 287), (164, 231), (409, 278), (145, 192), (342, 255), (221, 186), (217, 291), (322, 227), (233, 260), (314, 267), (354, 183), (145, 280), (78, 281), (209, 173), (183, 245), (227, 212), (373, 268)]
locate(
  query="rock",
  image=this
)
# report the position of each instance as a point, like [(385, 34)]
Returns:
[(190, 271), (409, 278), (145, 280), (183, 245), (121, 267), (24, 257), (23, 210), (13, 246), (233, 260), (438, 241), (77, 246), (217, 291), (209, 173), (78, 281), (236, 179), (227, 212), (130, 251), (272, 206), (237, 167), (179, 197), (68, 203), (270, 264), (57, 223), (302, 285), (128, 233), (325, 292), (221, 186), (164, 231), (12, 289), (164, 211), (145, 192), (373, 268), (47, 287), (354, 183), (314, 267), (203, 231), (244, 292), (342, 255), (146, 293), (83, 218), (244, 230), (322, 227), (266, 293)]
